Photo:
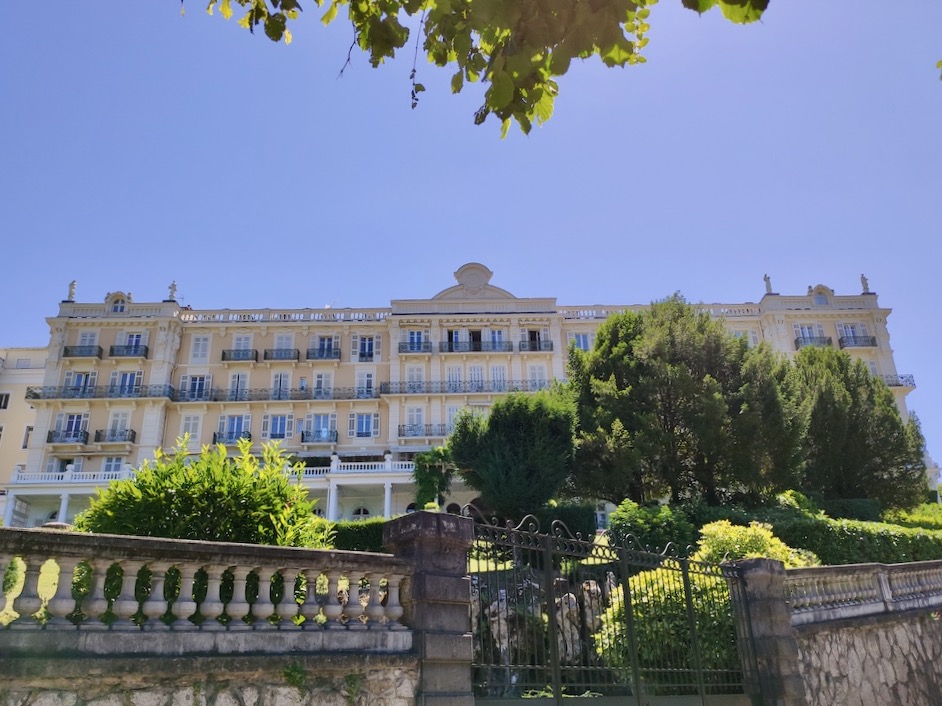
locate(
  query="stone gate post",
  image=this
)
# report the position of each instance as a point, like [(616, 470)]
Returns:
[(776, 647), (437, 601)]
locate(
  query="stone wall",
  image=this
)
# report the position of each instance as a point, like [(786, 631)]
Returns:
[(304, 680), (878, 661)]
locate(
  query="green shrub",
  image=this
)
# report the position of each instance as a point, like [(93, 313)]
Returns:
[(722, 541), (865, 509), (360, 535), (654, 527), (579, 519), (797, 501), (699, 513), (927, 516)]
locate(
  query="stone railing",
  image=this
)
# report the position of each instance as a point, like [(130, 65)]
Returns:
[(288, 315), (115, 586), (828, 593)]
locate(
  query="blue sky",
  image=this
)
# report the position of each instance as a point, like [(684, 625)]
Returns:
[(140, 147)]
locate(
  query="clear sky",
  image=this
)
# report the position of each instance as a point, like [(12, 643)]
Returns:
[(140, 147)]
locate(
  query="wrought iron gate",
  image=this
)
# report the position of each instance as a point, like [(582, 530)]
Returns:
[(556, 616)]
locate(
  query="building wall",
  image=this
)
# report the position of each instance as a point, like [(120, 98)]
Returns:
[(357, 385)]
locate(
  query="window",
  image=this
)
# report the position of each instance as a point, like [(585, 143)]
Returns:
[(323, 387), (26, 434), (190, 424), (23, 363), (416, 339), (112, 464), (277, 426), (88, 338), (242, 343), (284, 340), (233, 427), (453, 378), (4, 400), (238, 386), (537, 377), (855, 330), (453, 509), (582, 341), (20, 513), (410, 508), (134, 340), (199, 350), (325, 346), (281, 386), (476, 378), (808, 330), (873, 367), (364, 348), (363, 425), (415, 377), (497, 338), (126, 383), (117, 306), (452, 414), (79, 384), (365, 385), (321, 422), (119, 422), (318, 512), (415, 416), (361, 513), (820, 298), (195, 387), (499, 378)]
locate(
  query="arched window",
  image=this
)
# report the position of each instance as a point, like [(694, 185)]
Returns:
[(453, 509), (318, 512), (117, 306), (410, 508), (361, 513)]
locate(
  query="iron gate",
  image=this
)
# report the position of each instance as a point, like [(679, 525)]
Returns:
[(556, 616)]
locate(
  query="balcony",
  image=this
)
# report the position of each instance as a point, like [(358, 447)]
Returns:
[(104, 391), (857, 341), (424, 430), (282, 354), (319, 436), (415, 346), (81, 352), (819, 341), (323, 354), (363, 357), (115, 436), (462, 387), (266, 394), (128, 351), (536, 346), (230, 438), (476, 347), (240, 355), (67, 437), (900, 380)]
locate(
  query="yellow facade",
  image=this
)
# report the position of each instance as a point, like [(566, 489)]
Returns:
[(354, 392)]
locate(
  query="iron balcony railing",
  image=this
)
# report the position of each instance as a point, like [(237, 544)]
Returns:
[(475, 347), (466, 386), (81, 352), (820, 341), (319, 436), (323, 354), (365, 357), (67, 437), (414, 430), (282, 354), (264, 394), (900, 380), (240, 354), (857, 341), (415, 346), (101, 391), (542, 346), (231, 437), (115, 436), (128, 351)]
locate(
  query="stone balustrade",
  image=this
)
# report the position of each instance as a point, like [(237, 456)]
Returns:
[(192, 596), (822, 594)]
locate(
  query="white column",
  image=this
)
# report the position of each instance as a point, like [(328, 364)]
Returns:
[(332, 491), (387, 500), (63, 508), (8, 510)]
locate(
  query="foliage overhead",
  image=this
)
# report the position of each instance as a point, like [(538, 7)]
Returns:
[(211, 497), (432, 476), (517, 456), (516, 48)]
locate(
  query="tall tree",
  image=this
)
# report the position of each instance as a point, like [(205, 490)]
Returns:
[(855, 443), (517, 456)]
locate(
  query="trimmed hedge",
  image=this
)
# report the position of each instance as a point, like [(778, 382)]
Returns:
[(360, 535), (654, 527), (579, 519), (865, 509)]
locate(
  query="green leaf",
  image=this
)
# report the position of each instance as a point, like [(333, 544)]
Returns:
[(457, 82), (275, 26), (418, 88), (543, 109), (330, 14), (501, 92)]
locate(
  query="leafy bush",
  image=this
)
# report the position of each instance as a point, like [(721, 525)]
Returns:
[(927, 516), (654, 527), (699, 513), (853, 509), (579, 519), (360, 535), (797, 501), (722, 541), (211, 497)]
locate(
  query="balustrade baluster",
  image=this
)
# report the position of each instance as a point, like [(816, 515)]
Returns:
[(287, 607), (28, 602), (375, 612), (126, 605), (354, 609), (310, 609), (212, 606), (155, 605), (184, 607), (95, 606), (263, 608), (63, 603), (394, 610), (333, 609), (239, 606)]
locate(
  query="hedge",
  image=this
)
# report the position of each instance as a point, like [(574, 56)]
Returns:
[(360, 535)]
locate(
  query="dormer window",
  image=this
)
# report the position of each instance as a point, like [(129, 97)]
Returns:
[(117, 306), (821, 299)]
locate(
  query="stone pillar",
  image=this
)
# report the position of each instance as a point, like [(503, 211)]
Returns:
[(8, 510), (387, 499), (775, 644), (63, 508), (332, 492), (437, 601)]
